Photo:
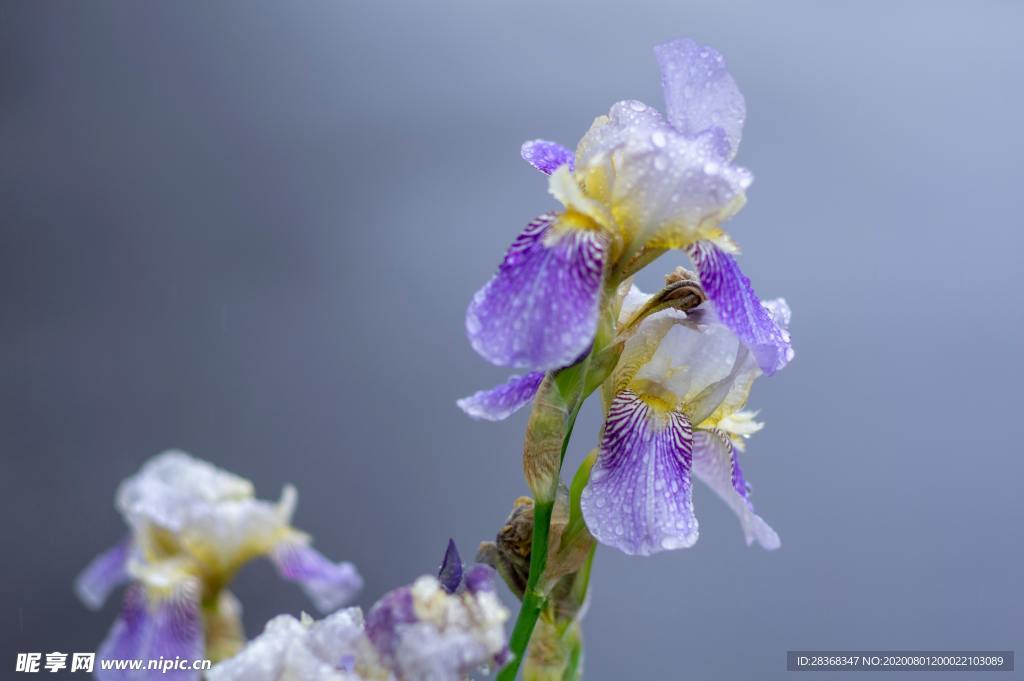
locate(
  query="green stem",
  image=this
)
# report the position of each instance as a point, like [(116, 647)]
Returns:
[(534, 598)]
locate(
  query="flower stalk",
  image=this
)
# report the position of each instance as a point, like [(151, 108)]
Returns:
[(674, 368), (535, 597)]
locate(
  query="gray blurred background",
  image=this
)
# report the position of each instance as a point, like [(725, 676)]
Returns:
[(250, 230)]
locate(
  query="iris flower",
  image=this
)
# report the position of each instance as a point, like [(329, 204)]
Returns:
[(639, 183), (193, 526), (436, 629), (675, 407)]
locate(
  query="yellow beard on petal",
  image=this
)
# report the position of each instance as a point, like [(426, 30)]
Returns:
[(660, 401), (568, 221)]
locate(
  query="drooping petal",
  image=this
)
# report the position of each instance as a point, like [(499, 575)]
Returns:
[(104, 574), (539, 311), (329, 585), (546, 156), (666, 189), (700, 94), (740, 309), (639, 497), (450, 574), (168, 626), (715, 462), (503, 400)]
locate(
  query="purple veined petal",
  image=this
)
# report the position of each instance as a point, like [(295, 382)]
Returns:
[(547, 156), (715, 462), (700, 94), (740, 309), (329, 585), (450, 574), (539, 311), (639, 497), (103, 574), (152, 628), (503, 400)]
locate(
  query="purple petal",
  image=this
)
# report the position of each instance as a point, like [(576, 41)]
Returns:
[(170, 627), (547, 156), (386, 617), (329, 585), (700, 94), (539, 311), (639, 497), (450, 574), (503, 400), (480, 578), (103, 574), (740, 309), (715, 462)]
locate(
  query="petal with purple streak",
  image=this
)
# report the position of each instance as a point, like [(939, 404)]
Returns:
[(450, 574), (386, 618), (539, 311), (329, 585), (152, 628), (715, 462), (740, 309), (103, 574), (639, 497), (700, 94), (503, 400), (547, 156)]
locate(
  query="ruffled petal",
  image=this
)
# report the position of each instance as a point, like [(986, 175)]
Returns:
[(666, 189), (715, 462), (329, 650), (740, 309), (639, 496), (503, 400), (171, 485), (539, 311), (386, 619), (169, 626), (424, 633), (547, 156), (700, 94), (105, 573), (266, 657), (329, 585)]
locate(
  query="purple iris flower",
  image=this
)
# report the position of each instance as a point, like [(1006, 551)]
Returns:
[(192, 527), (638, 184), (682, 384), (436, 629)]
